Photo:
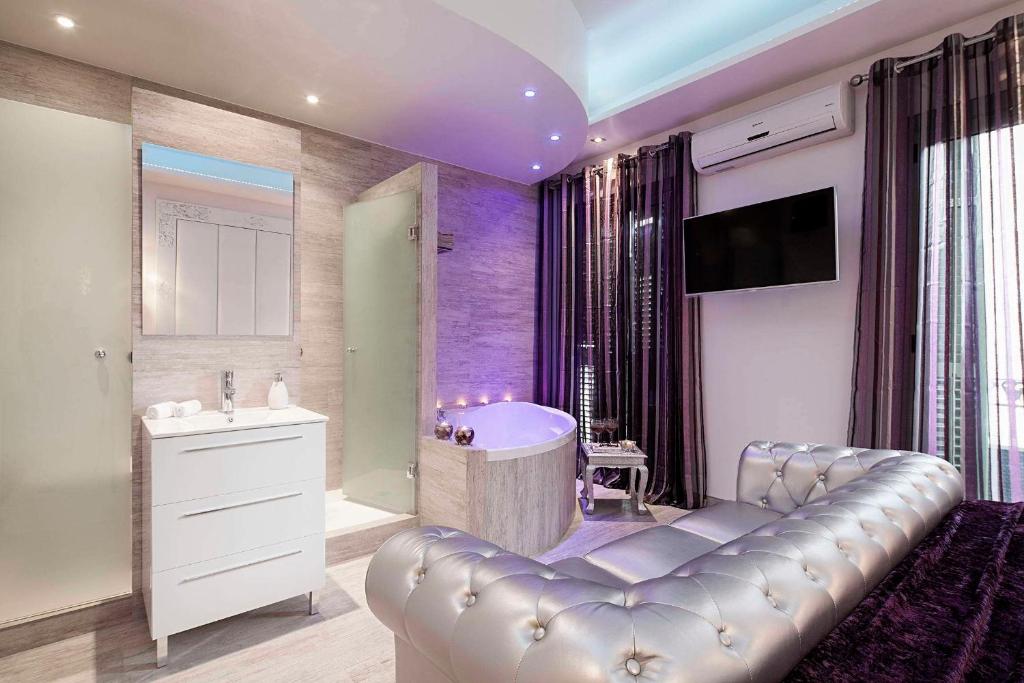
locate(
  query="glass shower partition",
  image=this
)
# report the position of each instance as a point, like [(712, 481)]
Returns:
[(380, 325), (65, 373)]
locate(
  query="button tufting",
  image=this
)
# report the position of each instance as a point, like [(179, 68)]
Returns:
[(772, 601), (633, 667), (725, 639), (778, 473), (471, 600), (539, 633), (821, 477)]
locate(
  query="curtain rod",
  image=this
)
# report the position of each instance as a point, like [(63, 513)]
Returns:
[(859, 79)]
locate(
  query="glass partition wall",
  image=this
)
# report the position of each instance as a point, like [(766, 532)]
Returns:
[(381, 299), (65, 373)]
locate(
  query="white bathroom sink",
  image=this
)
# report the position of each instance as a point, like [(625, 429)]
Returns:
[(211, 421)]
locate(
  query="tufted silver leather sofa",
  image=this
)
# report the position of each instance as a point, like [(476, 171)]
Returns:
[(739, 591)]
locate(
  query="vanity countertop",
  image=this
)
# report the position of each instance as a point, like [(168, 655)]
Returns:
[(213, 421)]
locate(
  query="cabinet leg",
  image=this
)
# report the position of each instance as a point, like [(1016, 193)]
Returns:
[(314, 602), (161, 652)]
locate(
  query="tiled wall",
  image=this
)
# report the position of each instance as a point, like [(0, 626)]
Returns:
[(486, 285), (485, 316)]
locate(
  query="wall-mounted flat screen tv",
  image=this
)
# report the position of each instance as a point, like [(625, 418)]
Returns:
[(782, 242)]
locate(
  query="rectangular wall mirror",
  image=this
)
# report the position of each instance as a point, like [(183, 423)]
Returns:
[(216, 246)]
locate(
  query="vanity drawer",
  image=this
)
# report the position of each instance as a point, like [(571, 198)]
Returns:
[(204, 465), (202, 529), (204, 592)]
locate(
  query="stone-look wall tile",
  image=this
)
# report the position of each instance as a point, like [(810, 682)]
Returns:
[(50, 81), (486, 288)]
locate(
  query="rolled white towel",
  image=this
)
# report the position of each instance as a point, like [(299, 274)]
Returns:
[(187, 408), (160, 411)]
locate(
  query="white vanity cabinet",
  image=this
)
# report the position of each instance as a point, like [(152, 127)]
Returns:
[(233, 515)]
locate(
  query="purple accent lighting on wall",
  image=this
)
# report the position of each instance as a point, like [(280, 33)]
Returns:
[(486, 289)]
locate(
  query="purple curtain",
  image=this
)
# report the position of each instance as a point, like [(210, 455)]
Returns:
[(661, 365), (617, 337), (939, 352), (555, 380)]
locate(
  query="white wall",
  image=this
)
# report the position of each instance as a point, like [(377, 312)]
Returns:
[(778, 363)]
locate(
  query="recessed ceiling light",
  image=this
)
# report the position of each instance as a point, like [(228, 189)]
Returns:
[(598, 138), (530, 92), (312, 99), (65, 22), (536, 167), (556, 137)]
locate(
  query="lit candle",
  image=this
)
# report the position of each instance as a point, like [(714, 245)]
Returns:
[(483, 400), (508, 398), (461, 403)]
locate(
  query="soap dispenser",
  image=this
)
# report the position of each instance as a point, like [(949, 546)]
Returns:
[(277, 399)]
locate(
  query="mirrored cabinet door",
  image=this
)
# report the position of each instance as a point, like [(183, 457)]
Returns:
[(273, 266), (236, 281), (195, 277)]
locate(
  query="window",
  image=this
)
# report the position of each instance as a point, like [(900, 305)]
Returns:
[(970, 314)]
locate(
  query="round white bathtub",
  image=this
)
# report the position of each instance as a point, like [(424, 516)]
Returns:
[(517, 429)]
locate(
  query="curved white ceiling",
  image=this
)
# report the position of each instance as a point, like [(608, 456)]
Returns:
[(410, 74), (550, 30), (445, 78)]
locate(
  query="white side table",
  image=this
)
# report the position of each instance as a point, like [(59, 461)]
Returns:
[(604, 456)]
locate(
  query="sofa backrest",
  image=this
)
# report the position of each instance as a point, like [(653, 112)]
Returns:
[(784, 476), (746, 611)]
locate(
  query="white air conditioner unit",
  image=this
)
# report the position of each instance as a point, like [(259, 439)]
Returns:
[(822, 115)]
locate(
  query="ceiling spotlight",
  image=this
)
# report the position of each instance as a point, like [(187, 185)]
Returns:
[(536, 167), (65, 22), (530, 92), (312, 99), (598, 138), (556, 137)]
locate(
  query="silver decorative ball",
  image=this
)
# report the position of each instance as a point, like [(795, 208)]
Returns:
[(443, 430), (464, 435)]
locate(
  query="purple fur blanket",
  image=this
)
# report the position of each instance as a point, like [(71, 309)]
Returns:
[(953, 610)]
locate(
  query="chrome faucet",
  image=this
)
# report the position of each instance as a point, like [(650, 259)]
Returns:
[(227, 394)]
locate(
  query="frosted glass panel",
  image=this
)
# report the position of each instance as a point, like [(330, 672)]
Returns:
[(380, 311), (65, 274)]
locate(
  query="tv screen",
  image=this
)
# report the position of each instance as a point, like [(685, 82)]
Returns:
[(788, 241)]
